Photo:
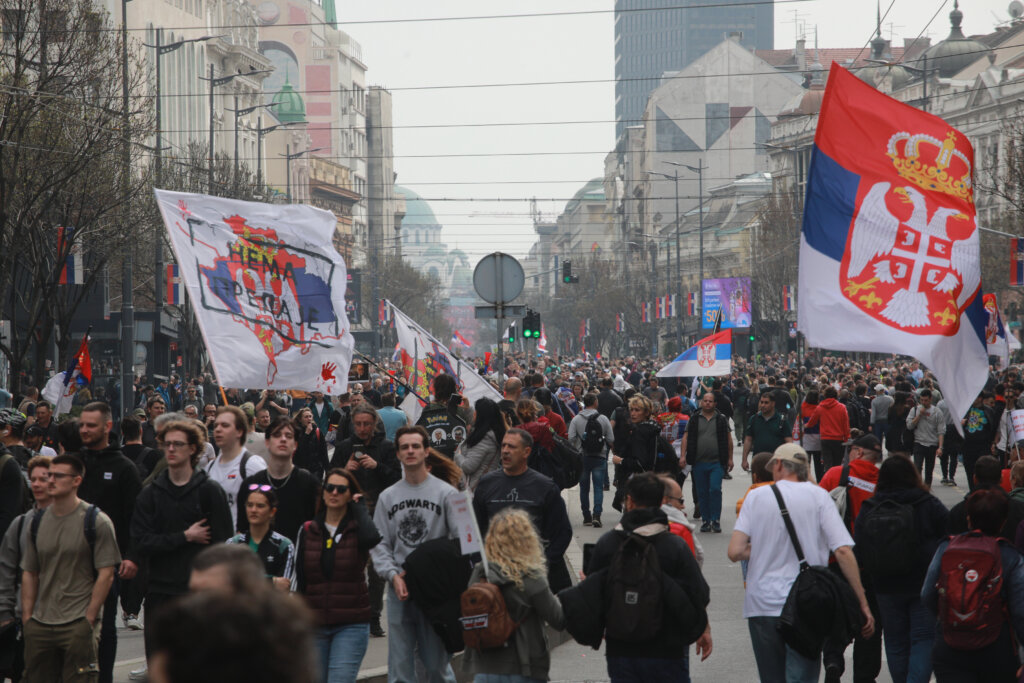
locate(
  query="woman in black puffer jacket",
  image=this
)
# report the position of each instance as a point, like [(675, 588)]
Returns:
[(894, 563), (642, 447)]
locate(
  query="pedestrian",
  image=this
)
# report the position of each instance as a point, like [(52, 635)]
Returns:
[(679, 524), (410, 512), (333, 550), (760, 536), (980, 428), (810, 437), (179, 514), (707, 442), (592, 433), (640, 446), (879, 415), (766, 430), (740, 394), (664, 656), (67, 570), (835, 428), (987, 475), (155, 407), (531, 421), (953, 659), (234, 462), (392, 417), (228, 567), (276, 552), (12, 549), (516, 564), (480, 453), (929, 428), (899, 440), (297, 491), (444, 418), (894, 550)]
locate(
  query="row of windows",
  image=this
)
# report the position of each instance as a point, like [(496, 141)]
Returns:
[(354, 99)]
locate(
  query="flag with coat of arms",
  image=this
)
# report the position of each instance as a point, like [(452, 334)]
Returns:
[(889, 251), (710, 357), (691, 303), (787, 298), (620, 323), (60, 389)]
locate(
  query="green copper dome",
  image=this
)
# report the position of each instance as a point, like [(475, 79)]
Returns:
[(288, 106)]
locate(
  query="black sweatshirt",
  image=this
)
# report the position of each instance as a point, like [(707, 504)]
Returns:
[(297, 500), (112, 483)]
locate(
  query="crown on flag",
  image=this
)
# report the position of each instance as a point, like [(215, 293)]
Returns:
[(945, 169)]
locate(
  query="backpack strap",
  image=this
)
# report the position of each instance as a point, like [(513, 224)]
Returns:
[(90, 527), (245, 458), (790, 528), (33, 529)]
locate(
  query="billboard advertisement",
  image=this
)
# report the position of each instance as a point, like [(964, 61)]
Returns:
[(732, 295)]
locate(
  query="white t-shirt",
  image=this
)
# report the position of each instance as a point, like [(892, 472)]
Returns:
[(230, 477), (773, 564)]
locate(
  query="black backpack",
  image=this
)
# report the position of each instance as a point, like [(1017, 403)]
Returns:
[(27, 499), (888, 542), (89, 527), (634, 592), (593, 436)]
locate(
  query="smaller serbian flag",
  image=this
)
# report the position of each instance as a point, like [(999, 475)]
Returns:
[(673, 305), (542, 344), (657, 308), (620, 323), (384, 316), (710, 357), (459, 339), (691, 304), (71, 273), (645, 311), (397, 355), (1017, 262), (787, 297), (173, 285)]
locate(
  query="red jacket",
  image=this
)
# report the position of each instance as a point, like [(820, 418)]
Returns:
[(863, 477), (835, 421)]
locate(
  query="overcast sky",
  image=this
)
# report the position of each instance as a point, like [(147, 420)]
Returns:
[(561, 132)]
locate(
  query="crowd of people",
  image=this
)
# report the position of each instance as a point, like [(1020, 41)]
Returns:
[(207, 506)]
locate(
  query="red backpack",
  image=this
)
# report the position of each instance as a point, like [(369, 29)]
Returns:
[(971, 605)]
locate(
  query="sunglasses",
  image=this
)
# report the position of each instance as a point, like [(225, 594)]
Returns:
[(260, 487), (336, 488)]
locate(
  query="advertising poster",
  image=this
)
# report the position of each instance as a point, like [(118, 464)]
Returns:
[(732, 295)]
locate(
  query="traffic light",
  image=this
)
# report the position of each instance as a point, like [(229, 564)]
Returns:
[(512, 333), (531, 324), (567, 276), (751, 333)]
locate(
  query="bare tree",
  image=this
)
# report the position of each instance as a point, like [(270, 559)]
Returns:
[(774, 251)]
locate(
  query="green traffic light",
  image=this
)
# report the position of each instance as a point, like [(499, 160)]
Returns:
[(751, 337)]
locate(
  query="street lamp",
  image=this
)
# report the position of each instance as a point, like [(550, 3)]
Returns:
[(162, 50), (214, 82), (679, 281), (260, 132), (288, 155), (127, 306), (699, 170), (239, 113)]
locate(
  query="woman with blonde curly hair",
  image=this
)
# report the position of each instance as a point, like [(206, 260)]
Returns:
[(515, 562)]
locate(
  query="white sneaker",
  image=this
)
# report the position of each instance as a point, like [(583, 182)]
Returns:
[(139, 674), (132, 623)]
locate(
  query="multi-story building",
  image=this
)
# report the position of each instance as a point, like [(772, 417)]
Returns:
[(655, 36), (382, 206)]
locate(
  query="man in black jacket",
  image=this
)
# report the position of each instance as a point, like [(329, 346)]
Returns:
[(112, 483), (666, 656), (178, 515), (987, 475), (607, 399), (371, 458)]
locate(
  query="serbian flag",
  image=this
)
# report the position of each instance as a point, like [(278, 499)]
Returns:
[(710, 357), (71, 272), (397, 355), (60, 389), (1017, 262), (542, 343), (645, 311), (996, 340), (889, 252), (459, 339), (173, 285), (691, 303), (673, 302), (787, 297), (620, 323)]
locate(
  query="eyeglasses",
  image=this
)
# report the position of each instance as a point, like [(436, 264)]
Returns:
[(336, 488), (260, 487), (175, 444)]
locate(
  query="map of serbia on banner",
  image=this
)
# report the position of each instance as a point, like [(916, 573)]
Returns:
[(268, 290), (889, 253)]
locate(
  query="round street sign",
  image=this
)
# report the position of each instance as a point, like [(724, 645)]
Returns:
[(498, 278)]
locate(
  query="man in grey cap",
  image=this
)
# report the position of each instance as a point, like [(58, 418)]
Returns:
[(760, 536)]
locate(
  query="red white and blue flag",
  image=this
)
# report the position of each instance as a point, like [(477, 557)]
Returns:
[(620, 323), (691, 303), (173, 285), (60, 389), (673, 305), (1017, 261), (645, 311), (542, 343), (997, 341), (787, 298), (889, 253), (459, 339), (71, 272), (710, 357)]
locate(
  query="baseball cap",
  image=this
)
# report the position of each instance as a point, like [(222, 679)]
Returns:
[(879, 388), (790, 452), (868, 442)]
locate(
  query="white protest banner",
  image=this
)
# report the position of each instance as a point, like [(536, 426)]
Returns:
[(1017, 416), (267, 287), (465, 522)]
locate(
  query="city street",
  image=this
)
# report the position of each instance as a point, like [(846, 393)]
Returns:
[(732, 658)]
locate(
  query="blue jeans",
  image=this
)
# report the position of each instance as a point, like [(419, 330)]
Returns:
[(410, 636), (908, 630), (340, 651), (776, 661), (708, 478), (645, 669), (596, 468), (879, 429)]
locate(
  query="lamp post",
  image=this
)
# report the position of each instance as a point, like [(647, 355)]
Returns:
[(260, 132), (214, 82), (162, 50), (288, 156), (239, 113), (127, 306), (699, 170), (679, 281)]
